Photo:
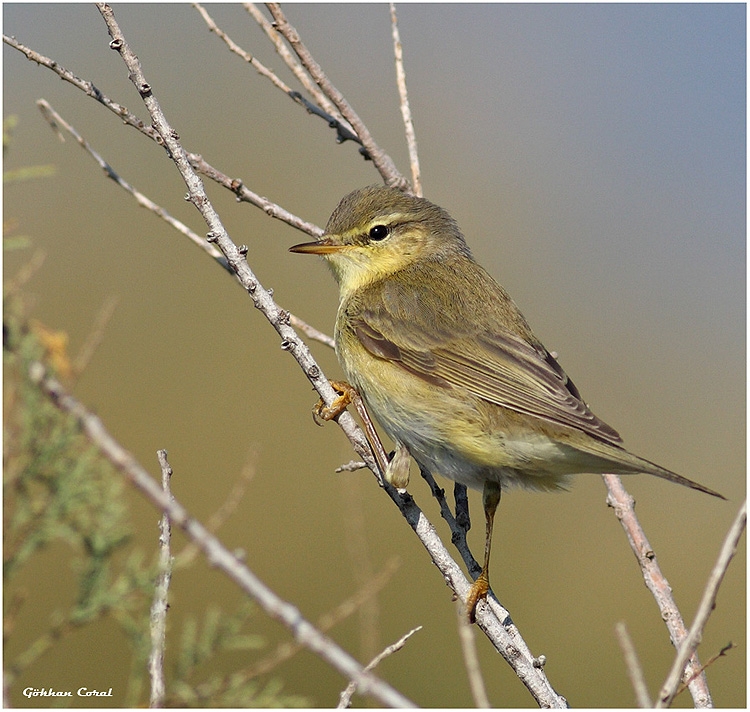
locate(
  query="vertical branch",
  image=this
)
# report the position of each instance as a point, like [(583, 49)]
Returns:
[(471, 659), (635, 671), (160, 605), (361, 564), (411, 137)]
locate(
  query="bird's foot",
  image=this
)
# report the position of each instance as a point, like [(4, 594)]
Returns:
[(479, 590), (322, 412)]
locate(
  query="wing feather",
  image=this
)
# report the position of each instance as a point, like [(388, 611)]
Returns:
[(497, 366)]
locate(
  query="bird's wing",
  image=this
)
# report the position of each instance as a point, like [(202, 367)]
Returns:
[(495, 365)]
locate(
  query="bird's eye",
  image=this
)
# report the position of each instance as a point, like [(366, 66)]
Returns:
[(379, 232)]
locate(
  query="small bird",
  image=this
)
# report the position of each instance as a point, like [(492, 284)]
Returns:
[(449, 366)]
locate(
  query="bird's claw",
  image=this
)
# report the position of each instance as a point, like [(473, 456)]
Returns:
[(322, 413), (479, 590)]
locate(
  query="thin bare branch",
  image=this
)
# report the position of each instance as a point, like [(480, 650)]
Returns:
[(346, 608), (96, 335), (86, 87), (633, 666), (325, 109), (245, 195), (705, 608), (346, 696), (236, 257), (236, 185), (58, 121), (382, 161), (217, 519), (217, 554), (294, 65), (684, 685), (321, 106), (159, 605), (236, 49), (623, 505), (311, 332), (492, 618), (411, 137)]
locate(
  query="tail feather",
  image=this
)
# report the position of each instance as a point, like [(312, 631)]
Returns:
[(618, 461), (680, 480), (636, 464)]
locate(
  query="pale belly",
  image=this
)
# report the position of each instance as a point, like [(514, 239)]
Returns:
[(464, 440)]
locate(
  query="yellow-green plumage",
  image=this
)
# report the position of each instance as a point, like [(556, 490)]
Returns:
[(445, 360), (447, 363)]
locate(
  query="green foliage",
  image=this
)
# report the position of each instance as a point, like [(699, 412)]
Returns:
[(24, 172), (235, 691), (9, 124), (220, 633), (57, 488)]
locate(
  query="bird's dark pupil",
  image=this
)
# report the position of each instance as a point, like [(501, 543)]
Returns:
[(379, 232)]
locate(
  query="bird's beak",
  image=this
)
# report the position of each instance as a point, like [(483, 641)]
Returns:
[(321, 247)]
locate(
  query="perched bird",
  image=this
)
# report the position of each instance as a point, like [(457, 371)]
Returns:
[(449, 366)]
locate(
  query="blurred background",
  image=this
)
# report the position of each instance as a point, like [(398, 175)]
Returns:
[(594, 156)]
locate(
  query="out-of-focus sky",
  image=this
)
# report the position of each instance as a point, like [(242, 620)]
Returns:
[(595, 158)]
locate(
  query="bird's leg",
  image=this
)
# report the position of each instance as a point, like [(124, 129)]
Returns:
[(374, 439), (348, 395), (479, 589)]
